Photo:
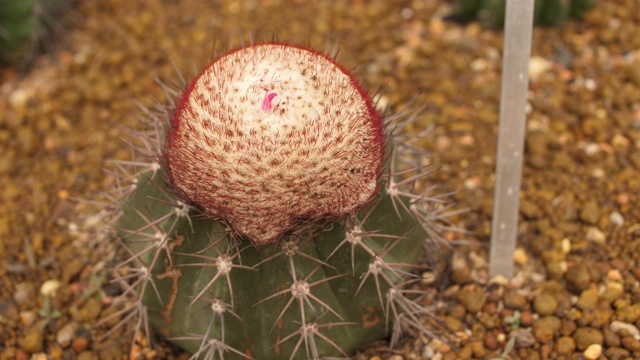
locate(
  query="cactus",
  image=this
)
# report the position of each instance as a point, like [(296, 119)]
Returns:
[(24, 26), (490, 13), (267, 216)]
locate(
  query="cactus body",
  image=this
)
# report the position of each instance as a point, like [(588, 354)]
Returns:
[(490, 13), (24, 26), (327, 274)]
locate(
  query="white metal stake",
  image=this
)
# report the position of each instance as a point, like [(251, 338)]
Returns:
[(513, 100)]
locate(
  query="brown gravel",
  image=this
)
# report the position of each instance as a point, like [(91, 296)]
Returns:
[(578, 281)]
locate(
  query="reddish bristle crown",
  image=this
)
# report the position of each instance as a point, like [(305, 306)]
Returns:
[(271, 136)]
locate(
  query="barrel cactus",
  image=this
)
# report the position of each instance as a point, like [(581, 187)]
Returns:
[(266, 215), (491, 13), (24, 26)]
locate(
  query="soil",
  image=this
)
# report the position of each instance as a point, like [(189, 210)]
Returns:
[(576, 291)]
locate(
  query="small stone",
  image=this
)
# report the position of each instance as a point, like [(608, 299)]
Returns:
[(33, 339), (590, 212), (630, 344), (520, 256), (9, 312), (611, 339), (616, 218), (630, 329), (472, 298), (586, 336), (50, 287), (66, 334), (90, 310), (23, 293), (514, 299), (523, 338), (628, 314), (545, 328), (396, 357), (545, 304), (565, 345), (617, 353), (81, 341), (526, 319), (538, 66), (490, 340), (593, 352), (614, 275), (86, 355), (619, 142), (478, 349), (578, 278), (453, 324), (568, 327), (588, 299), (596, 235), (111, 353), (565, 246), (612, 292)]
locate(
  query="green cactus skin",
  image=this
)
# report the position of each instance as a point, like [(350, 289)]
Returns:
[(318, 291), (24, 26), (490, 13)]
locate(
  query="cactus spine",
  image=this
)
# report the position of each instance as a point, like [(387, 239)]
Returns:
[(263, 223)]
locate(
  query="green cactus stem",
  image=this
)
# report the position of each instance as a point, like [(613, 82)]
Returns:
[(24, 26), (490, 13), (264, 224)]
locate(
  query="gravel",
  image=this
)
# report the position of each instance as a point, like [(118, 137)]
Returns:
[(576, 292)]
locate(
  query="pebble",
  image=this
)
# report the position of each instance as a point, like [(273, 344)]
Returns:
[(81, 341), (611, 339), (9, 312), (545, 304), (514, 299), (614, 275), (630, 344), (472, 298), (593, 352), (490, 340), (453, 324), (538, 66), (520, 256), (617, 353), (545, 328), (565, 345), (89, 311), (629, 314), (578, 278), (86, 355), (596, 235), (612, 292), (616, 218), (523, 338), (66, 334), (588, 299), (586, 336), (629, 329), (50, 287), (590, 212), (478, 349), (32, 341)]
